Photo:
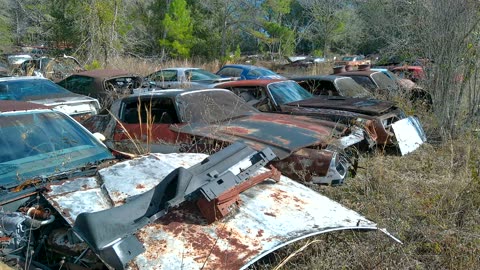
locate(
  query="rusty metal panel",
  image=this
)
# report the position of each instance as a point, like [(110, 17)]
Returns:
[(271, 215)]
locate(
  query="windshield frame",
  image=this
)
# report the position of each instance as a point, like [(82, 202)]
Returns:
[(275, 98), (76, 148)]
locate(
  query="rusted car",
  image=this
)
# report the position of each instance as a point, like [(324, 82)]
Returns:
[(414, 73), (352, 60), (331, 85), (385, 124), (207, 120), (375, 81), (106, 85), (54, 179)]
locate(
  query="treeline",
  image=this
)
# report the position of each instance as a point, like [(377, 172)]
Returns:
[(211, 29)]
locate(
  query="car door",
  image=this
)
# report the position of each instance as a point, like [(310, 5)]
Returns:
[(145, 125)]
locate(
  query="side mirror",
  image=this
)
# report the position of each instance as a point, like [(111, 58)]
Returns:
[(99, 136)]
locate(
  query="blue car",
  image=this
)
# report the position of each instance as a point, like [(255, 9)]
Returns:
[(248, 72)]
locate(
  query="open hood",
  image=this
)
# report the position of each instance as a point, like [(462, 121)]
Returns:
[(271, 216), (358, 105)]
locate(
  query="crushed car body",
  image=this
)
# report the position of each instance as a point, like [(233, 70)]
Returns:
[(54, 177), (374, 116), (204, 121)]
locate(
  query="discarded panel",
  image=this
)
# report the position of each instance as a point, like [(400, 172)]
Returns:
[(409, 134), (271, 216)]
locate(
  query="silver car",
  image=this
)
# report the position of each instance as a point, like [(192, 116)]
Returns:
[(184, 78)]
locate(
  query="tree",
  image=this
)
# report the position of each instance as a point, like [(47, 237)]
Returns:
[(178, 29), (328, 21)]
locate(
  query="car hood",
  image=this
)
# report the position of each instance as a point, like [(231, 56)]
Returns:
[(284, 134), (357, 105), (52, 100), (271, 216)]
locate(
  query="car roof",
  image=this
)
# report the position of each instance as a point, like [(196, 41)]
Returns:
[(105, 73), (173, 92), (15, 106), (330, 78), (21, 78), (358, 73), (244, 66), (261, 82)]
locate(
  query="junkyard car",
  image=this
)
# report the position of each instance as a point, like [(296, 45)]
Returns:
[(177, 78), (55, 175), (352, 60), (208, 120), (384, 123), (105, 85), (409, 88), (414, 73), (375, 81), (331, 85), (53, 68), (247, 72), (43, 91)]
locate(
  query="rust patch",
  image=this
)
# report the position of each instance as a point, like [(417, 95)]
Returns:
[(270, 214), (260, 233), (140, 186)]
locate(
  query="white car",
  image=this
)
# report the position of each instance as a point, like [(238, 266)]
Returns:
[(45, 92)]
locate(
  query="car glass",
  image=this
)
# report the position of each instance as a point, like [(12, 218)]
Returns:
[(211, 106), (384, 82), (258, 72), (288, 91), (364, 81), (349, 88), (78, 84), (199, 75), (165, 76), (29, 89), (230, 72), (43, 143)]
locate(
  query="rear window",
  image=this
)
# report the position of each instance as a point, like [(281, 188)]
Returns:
[(230, 72)]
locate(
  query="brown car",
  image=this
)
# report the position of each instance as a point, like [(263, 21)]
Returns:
[(105, 85), (207, 120), (376, 117)]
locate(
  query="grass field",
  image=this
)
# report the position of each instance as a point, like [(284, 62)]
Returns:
[(429, 199)]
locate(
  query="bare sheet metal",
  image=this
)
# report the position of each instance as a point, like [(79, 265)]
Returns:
[(271, 216), (409, 134)]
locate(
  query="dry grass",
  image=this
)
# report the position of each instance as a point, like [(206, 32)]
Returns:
[(430, 199)]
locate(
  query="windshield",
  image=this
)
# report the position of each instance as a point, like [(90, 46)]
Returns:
[(287, 92), (200, 75), (28, 89), (43, 143), (384, 82), (211, 106), (349, 88)]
